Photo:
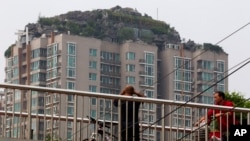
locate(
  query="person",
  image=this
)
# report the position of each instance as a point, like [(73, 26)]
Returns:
[(216, 117), (129, 115)]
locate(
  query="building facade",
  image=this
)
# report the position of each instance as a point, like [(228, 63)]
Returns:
[(78, 63), (88, 64)]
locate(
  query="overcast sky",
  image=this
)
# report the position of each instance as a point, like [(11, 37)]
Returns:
[(198, 20)]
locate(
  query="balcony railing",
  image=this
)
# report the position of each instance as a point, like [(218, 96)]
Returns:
[(161, 121)]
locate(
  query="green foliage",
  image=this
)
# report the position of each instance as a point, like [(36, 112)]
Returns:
[(48, 21), (160, 30), (74, 28), (125, 33), (208, 46), (147, 36), (239, 101), (8, 52), (237, 98)]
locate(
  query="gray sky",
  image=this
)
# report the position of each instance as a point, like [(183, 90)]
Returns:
[(198, 20)]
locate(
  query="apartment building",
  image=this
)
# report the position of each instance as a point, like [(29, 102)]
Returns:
[(89, 64), (186, 74), (78, 63)]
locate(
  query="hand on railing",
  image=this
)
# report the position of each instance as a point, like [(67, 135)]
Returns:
[(200, 123)]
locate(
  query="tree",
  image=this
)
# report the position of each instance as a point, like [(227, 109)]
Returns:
[(239, 101)]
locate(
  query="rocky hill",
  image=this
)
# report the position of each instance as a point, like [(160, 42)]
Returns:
[(116, 24)]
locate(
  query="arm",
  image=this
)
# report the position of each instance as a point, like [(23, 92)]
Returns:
[(139, 94), (209, 114)]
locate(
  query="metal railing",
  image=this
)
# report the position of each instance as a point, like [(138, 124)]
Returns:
[(30, 112)]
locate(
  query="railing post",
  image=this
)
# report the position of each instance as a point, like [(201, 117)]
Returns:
[(29, 104), (75, 117), (163, 123)]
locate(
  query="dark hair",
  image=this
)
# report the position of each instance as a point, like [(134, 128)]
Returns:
[(220, 94), (129, 89)]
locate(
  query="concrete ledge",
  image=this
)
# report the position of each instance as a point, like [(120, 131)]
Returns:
[(11, 139)]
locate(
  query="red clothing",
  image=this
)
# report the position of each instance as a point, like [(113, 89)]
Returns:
[(222, 119)]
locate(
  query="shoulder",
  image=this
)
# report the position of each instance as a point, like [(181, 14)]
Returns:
[(228, 103)]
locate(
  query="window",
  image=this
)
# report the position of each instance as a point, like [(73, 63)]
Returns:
[(130, 68), (71, 85), (130, 80), (69, 135), (15, 60), (93, 101), (15, 72), (220, 66), (92, 76), (71, 72), (70, 111), (93, 113), (130, 56), (220, 77), (92, 88), (92, 64), (71, 61), (71, 49), (149, 81), (149, 57), (70, 98), (149, 69), (149, 94), (92, 52)]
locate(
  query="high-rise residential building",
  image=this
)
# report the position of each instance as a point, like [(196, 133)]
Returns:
[(79, 63), (89, 64), (188, 73)]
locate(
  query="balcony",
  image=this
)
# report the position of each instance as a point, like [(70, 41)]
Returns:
[(166, 127), (142, 73), (144, 84), (142, 61), (109, 85), (113, 62), (111, 74)]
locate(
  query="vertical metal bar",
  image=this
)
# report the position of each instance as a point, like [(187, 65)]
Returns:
[(67, 115), (184, 124), (227, 133), (111, 121), (97, 115), (13, 110), (163, 123), (206, 121), (191, 121), (241, 118), (82, 118), (171, 124), (20, 116), (119, 120), (133, 123), (75, 118), (59, 114), (104, 117), (51, 114), (248, 118), (126, 120), (220, 124), (44, 118), (177, 131), (5, 113), (29, 103)]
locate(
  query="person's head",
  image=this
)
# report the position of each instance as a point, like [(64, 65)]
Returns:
[(129, 90), (219, 97)]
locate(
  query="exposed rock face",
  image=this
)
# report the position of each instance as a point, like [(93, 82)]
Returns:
[(107, 23), (116, 24)]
